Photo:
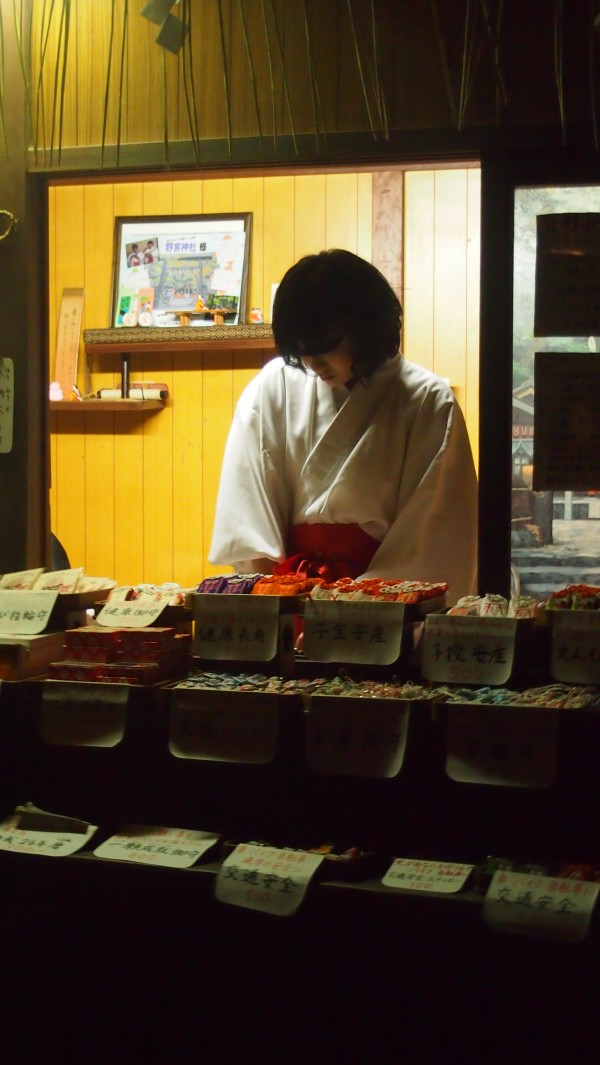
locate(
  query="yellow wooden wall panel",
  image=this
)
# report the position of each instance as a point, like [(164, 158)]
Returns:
[(188, 196), (341, 222), (364, 194), (278, 233), (217, 412), (473, 264), (418, 298), (52, 315), (309, 214), (450, 277), (128, 476), (68, 520)]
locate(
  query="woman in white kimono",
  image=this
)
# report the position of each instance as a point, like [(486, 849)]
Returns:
[(343, 458)]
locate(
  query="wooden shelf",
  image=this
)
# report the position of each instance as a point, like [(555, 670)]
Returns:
[(177, 339), (104, 406)]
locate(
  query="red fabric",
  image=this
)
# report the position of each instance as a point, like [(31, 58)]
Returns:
[(328, 551)]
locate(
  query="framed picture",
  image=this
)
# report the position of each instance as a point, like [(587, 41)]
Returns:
[(181, 270)]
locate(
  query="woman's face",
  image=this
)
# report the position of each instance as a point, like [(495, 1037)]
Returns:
[(333, 367)]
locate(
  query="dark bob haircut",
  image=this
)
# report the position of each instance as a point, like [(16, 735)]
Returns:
[(335, 294)]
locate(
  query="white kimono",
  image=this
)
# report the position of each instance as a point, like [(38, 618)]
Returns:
[(391, 455)]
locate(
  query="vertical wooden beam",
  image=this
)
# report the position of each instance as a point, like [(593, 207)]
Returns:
[(24, 529), (388, 223)]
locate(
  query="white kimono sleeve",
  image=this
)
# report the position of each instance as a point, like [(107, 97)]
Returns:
[(434, 534), (252, 510)]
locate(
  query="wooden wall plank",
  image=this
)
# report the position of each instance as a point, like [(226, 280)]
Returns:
[(418, 298), (279, 252), (472, 349), (341, 222), (309, 214), (450, 277)]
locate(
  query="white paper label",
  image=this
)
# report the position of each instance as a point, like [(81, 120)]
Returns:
[(25, 613), (543, 907), (52, 844), (134, 615), (7, 402), (356, 737), (353, 631), (465, 650), (413, 874), (266, 878), (236, 627), (504, 745), (177, 848), (576, 646), (82, 714), (241, 729)]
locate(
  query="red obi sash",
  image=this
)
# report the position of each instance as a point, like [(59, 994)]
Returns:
[(328, 551)]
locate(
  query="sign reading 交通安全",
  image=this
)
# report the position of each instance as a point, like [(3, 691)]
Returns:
[(468, 650), (543, 907), (266, 878)]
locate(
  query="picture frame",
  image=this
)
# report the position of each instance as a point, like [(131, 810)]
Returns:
[(181, 270)]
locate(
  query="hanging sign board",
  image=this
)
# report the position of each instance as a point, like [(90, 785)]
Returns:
[(356, 631), (236, 627), (566, 442), (59, 843), (502, 745), (468, 650), (575, 655), (567, 275), (356, 737), (240, 727), (83, 714)]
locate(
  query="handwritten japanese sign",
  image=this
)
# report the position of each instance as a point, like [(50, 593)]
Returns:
[(413, 874), (356, 737), (465, 650), (575, 657), (566, 442), (133, 615), (25, 613), (567, 275), (355, 631), (51, 844), (236, 627), (7, 400), (502, 745), (224, 726), (543, 907), (266, 878), (177, 848), (83, 714)]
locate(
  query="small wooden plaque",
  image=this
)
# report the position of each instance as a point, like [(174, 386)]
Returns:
[(67, 339)]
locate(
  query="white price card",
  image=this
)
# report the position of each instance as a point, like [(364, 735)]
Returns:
[(237, 727), (131, 615), (353, 631), (356, 737), (236, 627), (515, 746), (542, 907), (7, 403), (414, 874), (35, 841), (25, 613), (177, 848), (575, 657), (83, 714), (468, 650), (266, 878)]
